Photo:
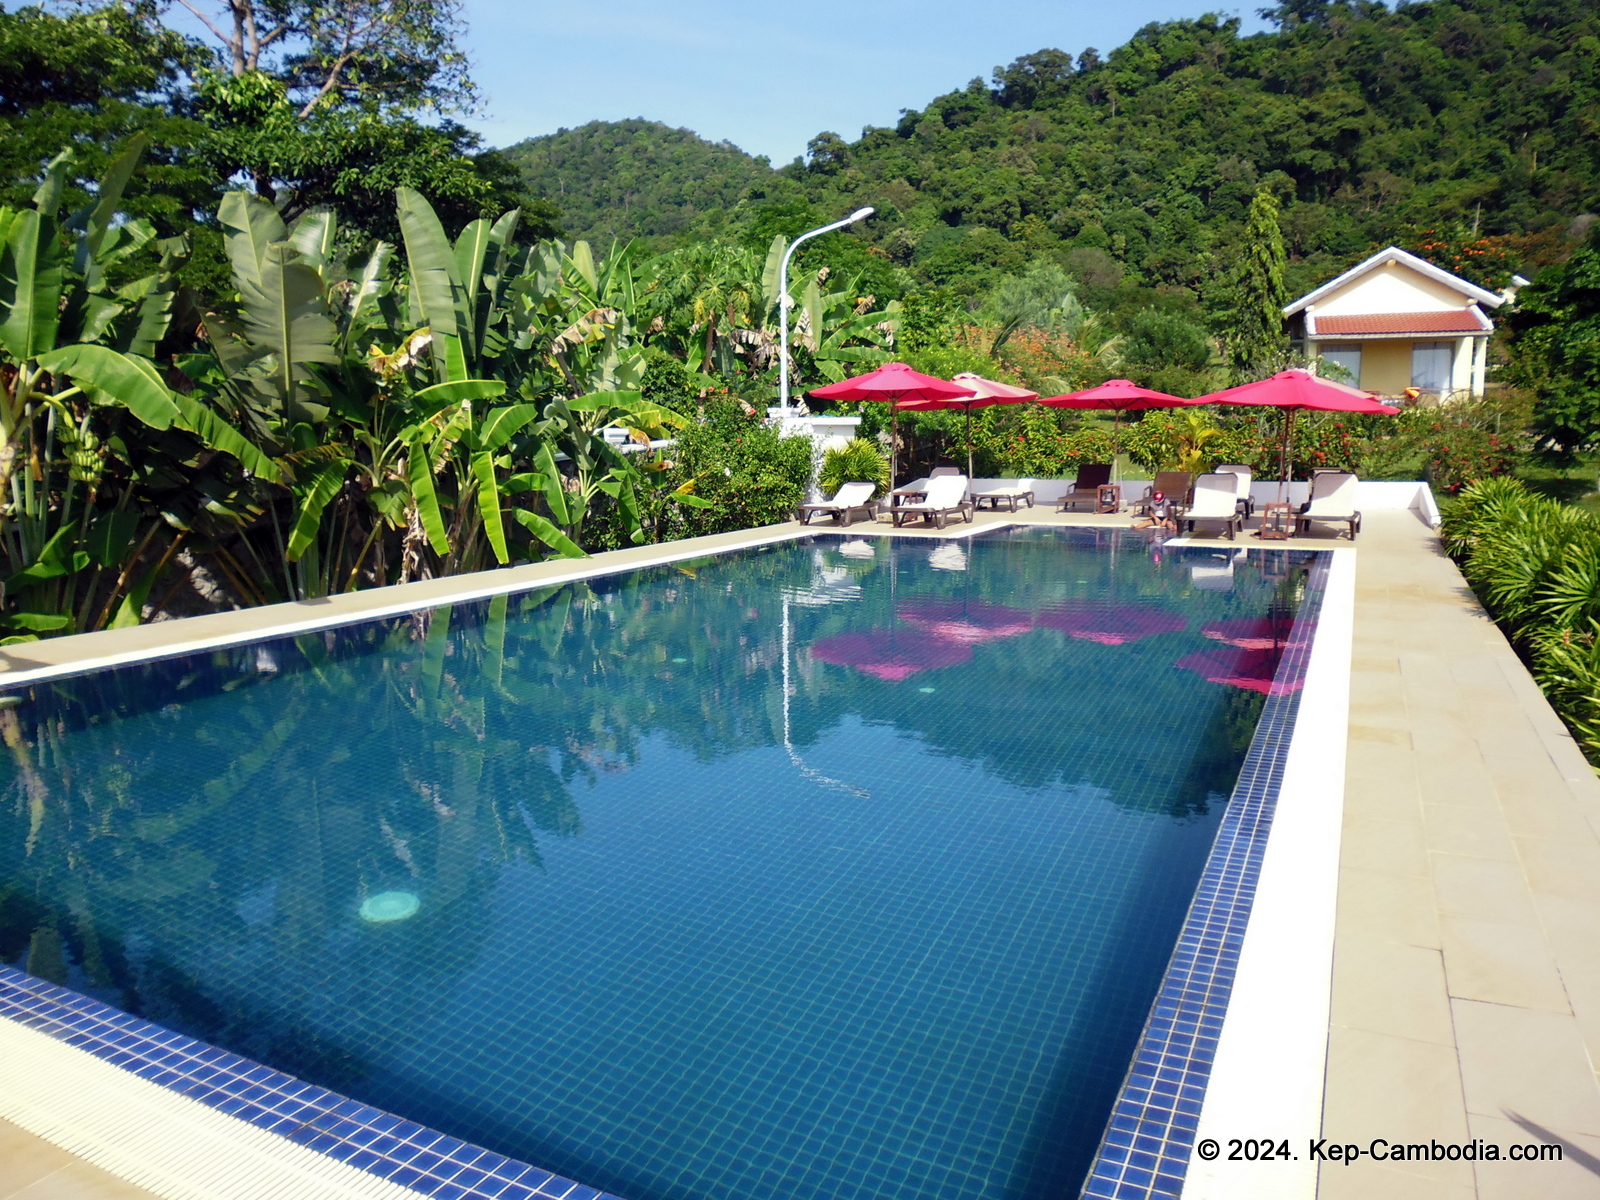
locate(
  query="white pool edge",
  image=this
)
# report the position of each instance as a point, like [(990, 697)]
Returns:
[(158, 1139), (277, 620), (1267, 1078)]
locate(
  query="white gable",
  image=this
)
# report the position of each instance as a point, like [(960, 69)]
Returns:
[(1392, 281)]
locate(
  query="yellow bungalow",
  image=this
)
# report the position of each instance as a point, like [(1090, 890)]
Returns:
[(1396, 323)]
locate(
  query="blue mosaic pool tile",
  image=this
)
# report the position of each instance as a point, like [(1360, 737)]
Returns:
[(363, 1137), (1160, 1100), (1152, 1137)]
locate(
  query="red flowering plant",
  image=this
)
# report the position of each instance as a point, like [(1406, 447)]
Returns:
[(1013, 441), (1486, 261)]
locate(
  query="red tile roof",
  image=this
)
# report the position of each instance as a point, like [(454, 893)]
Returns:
[(1458, 320)]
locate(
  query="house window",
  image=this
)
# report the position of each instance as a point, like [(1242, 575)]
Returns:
[(1430, 365), (1344, 358)]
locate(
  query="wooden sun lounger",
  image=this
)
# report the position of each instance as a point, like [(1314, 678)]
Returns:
[(1085, 488)]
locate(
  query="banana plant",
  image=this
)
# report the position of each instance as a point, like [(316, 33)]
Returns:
[(717, 307), (85, 414), (577, 429)]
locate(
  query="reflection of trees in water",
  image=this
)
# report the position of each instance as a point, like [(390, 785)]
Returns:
[(201, 863), (190, 839)]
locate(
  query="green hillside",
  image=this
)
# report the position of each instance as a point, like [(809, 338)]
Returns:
[(1436, 125), (636, 178)]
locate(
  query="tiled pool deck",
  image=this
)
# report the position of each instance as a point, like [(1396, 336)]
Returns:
[(1466, 997), (1466, 994)]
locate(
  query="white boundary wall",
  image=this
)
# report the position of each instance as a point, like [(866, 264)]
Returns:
[(1370, 496)]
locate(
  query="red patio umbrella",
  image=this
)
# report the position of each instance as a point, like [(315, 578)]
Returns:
[(1119, 396), (884, 655), (892, 383), (1295, 390), (1111, 624), (985, 392)]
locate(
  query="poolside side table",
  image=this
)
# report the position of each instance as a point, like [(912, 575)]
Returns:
[(1109, 498), (1277, 522)]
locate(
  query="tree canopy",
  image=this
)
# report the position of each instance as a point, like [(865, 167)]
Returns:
[(1446, 122)]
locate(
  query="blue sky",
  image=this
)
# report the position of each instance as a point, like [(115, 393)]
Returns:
[(767, 77)]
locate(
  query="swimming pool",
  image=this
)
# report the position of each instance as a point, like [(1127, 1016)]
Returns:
[(847, 866)]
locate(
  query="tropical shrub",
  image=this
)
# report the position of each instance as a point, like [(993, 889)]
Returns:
[(857, 460), (1535, 565), (1191, 439), (744, 471), (1028, 441)]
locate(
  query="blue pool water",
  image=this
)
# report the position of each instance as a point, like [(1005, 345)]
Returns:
[(843, 868)]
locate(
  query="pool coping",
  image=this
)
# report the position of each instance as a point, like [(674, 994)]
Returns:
[(393, 1156), (1246, 995)]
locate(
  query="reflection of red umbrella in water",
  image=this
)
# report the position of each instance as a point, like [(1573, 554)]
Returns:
[(891, 657), (1111, 624), (968, 624), (1250, 633), (1235, 666)]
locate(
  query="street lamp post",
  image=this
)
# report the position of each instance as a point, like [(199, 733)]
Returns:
[(784, 302)]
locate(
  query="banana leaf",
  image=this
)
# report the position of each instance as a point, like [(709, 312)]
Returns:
[(489, 505), (134, 382), (547, 533), (249, 226), (461, 389), (219, 435), (286, 314), (30, 285), (435, 278), (314, 236), (314, 497), (503, 424), (56, 558), (419, 472), (94, 220), (554, 494)]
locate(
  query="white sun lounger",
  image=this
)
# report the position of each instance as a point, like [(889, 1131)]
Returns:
[(1216, 500), (1010, 497), (946, 495), (1333, 498), (1244, 477), (851, 498)]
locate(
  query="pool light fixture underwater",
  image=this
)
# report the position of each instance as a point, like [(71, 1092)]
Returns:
[(389, 906)]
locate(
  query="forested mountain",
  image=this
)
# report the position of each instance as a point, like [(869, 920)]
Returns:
[(620, 179), (1433, 124)]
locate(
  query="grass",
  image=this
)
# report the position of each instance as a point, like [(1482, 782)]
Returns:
[(1576, 484)]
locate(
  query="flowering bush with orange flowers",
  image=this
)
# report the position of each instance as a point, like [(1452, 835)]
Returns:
[(1014, 441)]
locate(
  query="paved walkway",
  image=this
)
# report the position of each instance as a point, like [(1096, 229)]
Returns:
[(33, 1169), (1466, 994)]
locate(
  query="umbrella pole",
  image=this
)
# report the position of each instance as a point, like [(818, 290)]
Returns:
[(1283, 465), (1116, 445), (969, 447), (894, 448)]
